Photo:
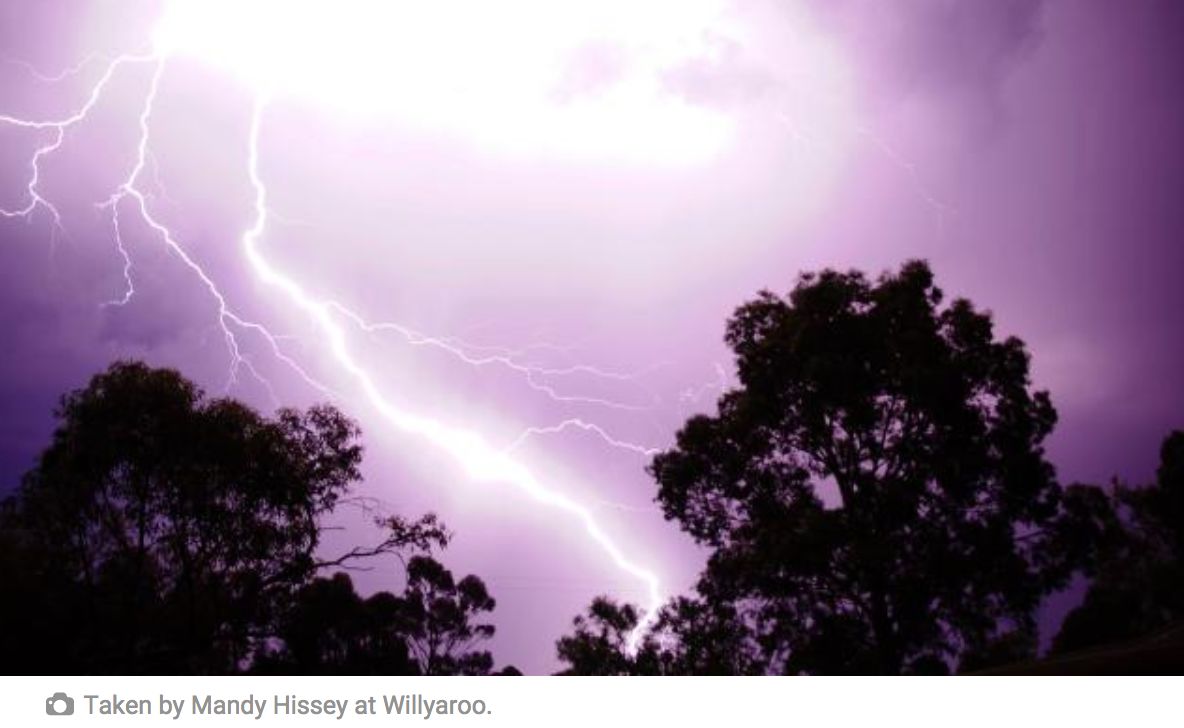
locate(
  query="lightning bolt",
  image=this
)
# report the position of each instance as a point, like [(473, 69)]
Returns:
[(62, 75), (534, 375), (478, 458), (57, 135), (576, 423), (804, 137), (941, 210)]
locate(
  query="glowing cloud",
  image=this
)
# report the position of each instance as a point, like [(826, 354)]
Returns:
[(491, 72)]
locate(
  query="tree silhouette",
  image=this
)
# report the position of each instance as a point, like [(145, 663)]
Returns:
[(1138, 585), (599, 645), (690, 637), (331, 630), (439, 611), (430, 629), (162, 531), (874, 494)]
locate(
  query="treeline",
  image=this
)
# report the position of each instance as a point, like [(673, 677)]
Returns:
[(165, 532), (874, 496)]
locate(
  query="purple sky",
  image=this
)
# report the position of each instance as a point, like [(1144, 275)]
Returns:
[(1030, 150)]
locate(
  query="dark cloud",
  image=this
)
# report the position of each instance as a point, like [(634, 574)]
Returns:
[(955, 51)]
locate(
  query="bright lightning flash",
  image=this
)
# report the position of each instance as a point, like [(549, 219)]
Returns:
[(480, 460), (582, 80), (422, 54), (499, 74)]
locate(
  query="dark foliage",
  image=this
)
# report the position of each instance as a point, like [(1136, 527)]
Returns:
[(1139, 582), (440, 613), (330, 630), (689, 637), (425, 631), (162, 531), (875, 495)]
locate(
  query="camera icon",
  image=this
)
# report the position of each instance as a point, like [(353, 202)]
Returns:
[(59, 704)]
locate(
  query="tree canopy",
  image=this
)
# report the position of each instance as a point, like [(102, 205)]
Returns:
[(426, 630), (1138, 584), (164, 531), (874, 494)]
